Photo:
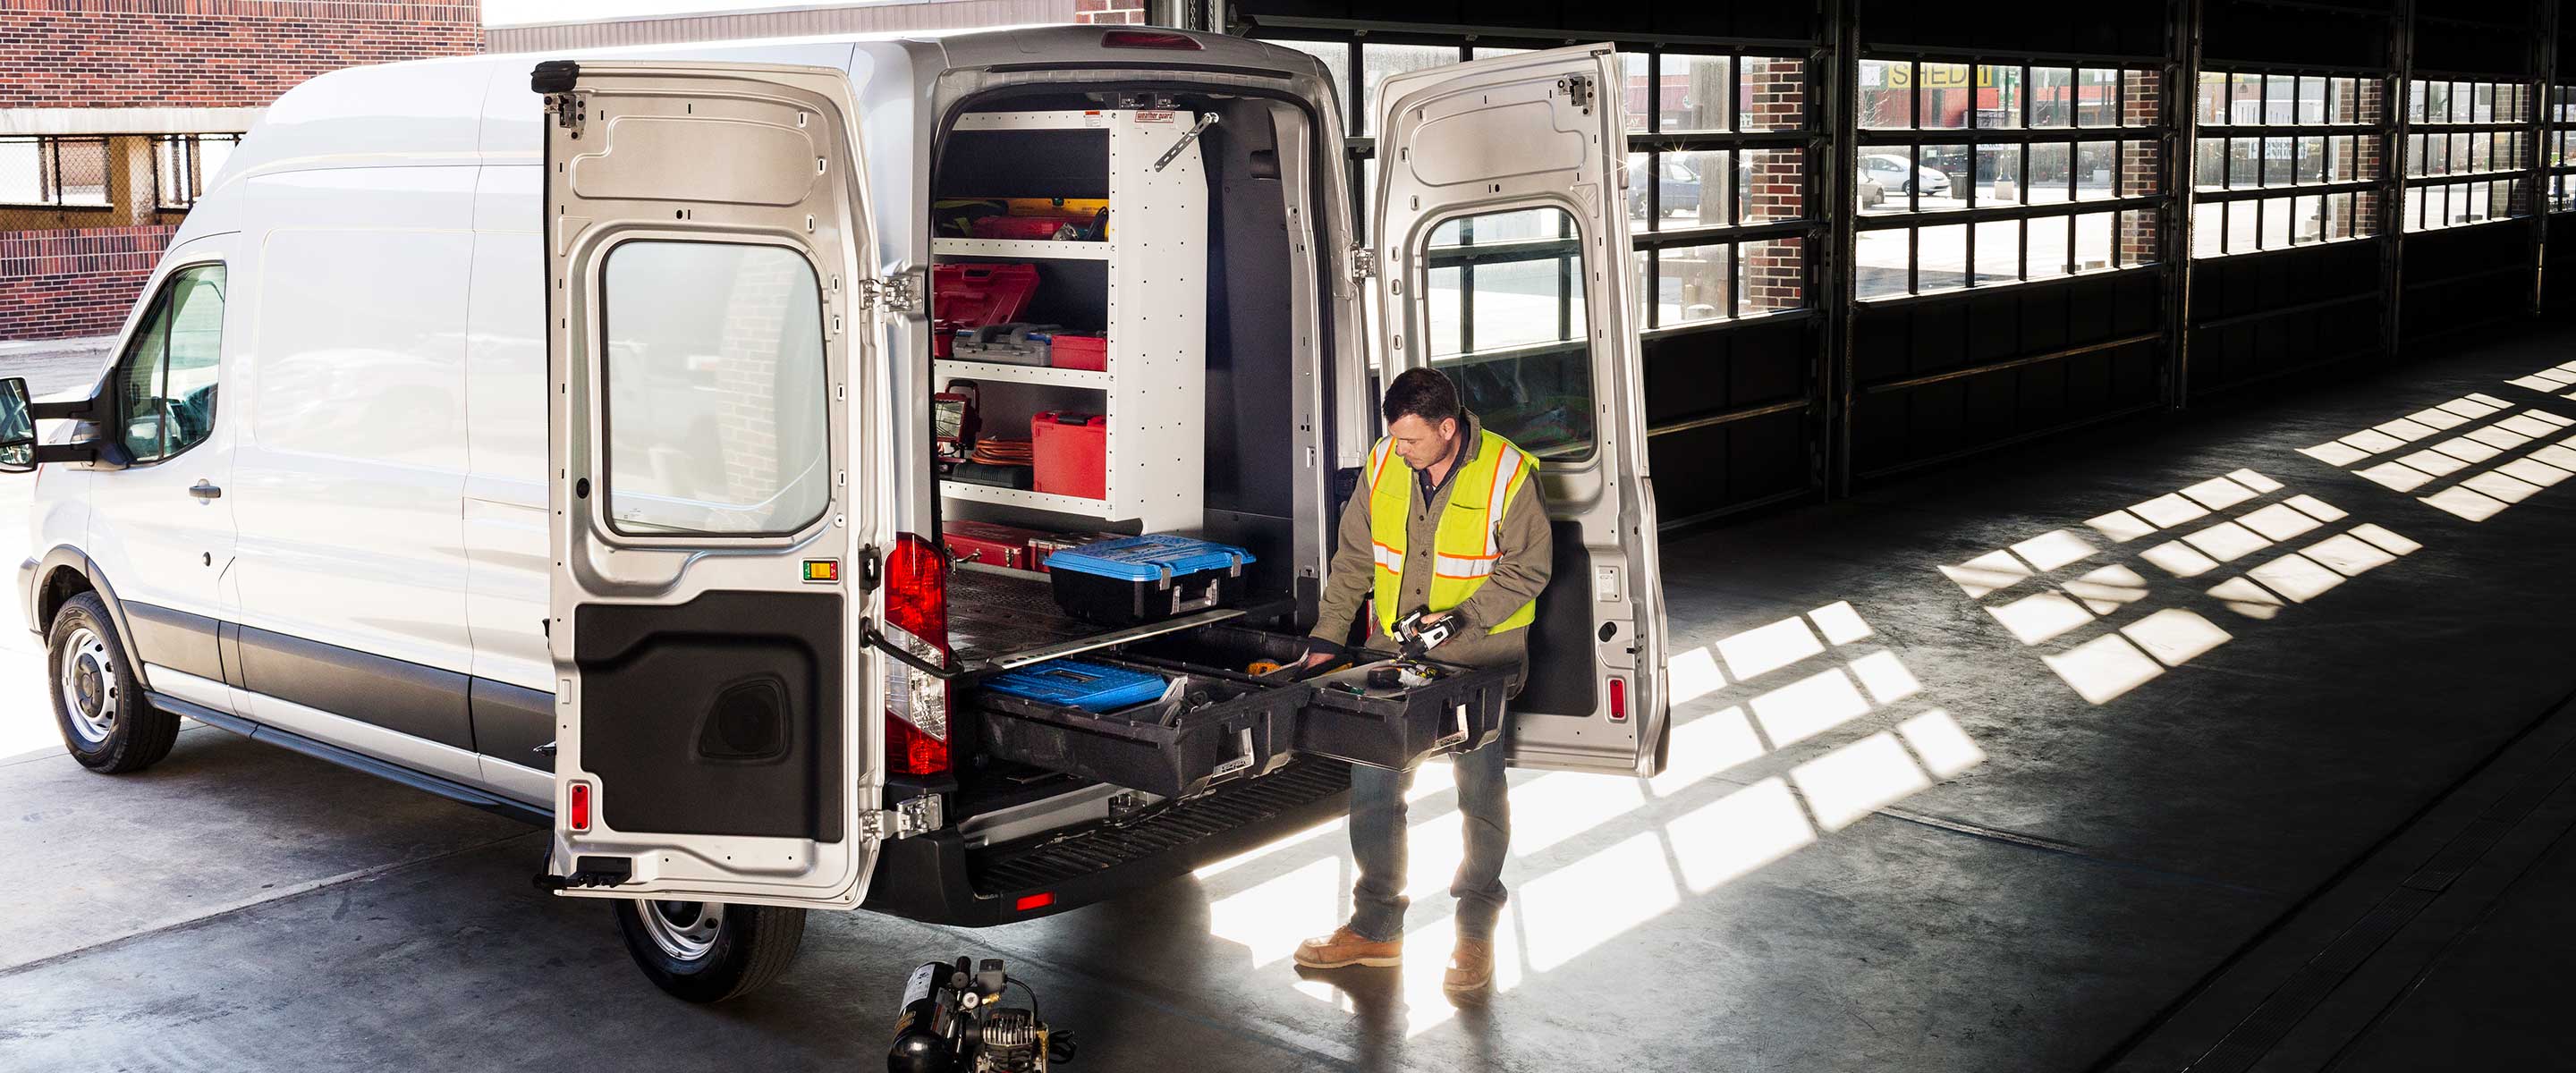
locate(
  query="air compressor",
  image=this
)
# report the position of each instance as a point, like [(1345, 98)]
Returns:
[(953, 1022)]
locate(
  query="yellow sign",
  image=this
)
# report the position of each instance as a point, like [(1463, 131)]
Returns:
[(1943, 76)]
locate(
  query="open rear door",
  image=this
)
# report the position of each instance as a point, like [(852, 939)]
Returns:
[(716, 483), (1502, 250)]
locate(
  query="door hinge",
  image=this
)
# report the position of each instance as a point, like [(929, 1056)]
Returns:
[(569, 110), (1363, 263), (1578, 88), (909, 817), (898, 293)]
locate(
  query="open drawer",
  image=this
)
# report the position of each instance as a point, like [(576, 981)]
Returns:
[(1438, 708), (1227, 727)]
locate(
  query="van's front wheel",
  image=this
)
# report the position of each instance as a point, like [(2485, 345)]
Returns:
[(98, 703), (710, 951)]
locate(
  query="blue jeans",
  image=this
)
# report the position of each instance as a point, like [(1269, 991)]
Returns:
[(1377, 840)]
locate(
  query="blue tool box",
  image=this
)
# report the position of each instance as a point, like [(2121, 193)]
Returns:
[(1092, 687), (1146, 578)]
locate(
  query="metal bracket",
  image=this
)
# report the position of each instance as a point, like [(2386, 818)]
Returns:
[(570, 112), (899, 293), (1206, 120), (1579, 89), (909, 817), (1363, 263)]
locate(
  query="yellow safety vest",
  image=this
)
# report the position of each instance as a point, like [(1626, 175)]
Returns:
[(1464, 548)]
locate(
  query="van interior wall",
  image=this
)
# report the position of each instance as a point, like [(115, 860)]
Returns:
[(1250, 496)]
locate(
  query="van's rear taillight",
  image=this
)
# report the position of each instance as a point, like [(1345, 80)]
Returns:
[(916, 578), (1149, 39), (577, 808)]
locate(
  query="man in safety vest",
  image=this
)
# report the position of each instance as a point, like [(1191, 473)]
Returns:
[(1447, 520)]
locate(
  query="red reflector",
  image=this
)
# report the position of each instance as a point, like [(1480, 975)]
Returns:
[(1618, 700), (1034, 901), (579, 811), (1148, 39), (913, 752)]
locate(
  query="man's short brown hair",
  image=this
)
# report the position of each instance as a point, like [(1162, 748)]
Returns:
[(1425, 393)]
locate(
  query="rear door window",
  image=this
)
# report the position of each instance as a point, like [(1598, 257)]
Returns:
[(715, 415), (1506, 321)]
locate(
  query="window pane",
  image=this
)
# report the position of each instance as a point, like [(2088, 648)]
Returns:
[(706, 328), (1693, 92), (2052, 96), (2437, 101), (2343, 165), (1886, 94), (2312, 100), (1998, 251), (2482, 107), (2141, 168), (196, 345), (1880, 260), (1379, 61), (2048, 249), (2213, 98), (2242, 216), (1632, 66), (2142, 98), (1880, 186), (1773, 182), (2141, 243), (2097, 96), (2209, 164), (1515, 319), (2341, 105), (1643, 179), (2276, 222), (2052, 173), (1690, 283), (2097, 169), (1774, 276), (1695, 187), (2277, 161), (1946, 94), (2244, 163), (1775, 93), (1999, 96), (141, 407), (1943, 177), (1998, 175), (2245, 99), (2366, 213), (2310, 167), (2093, 241), (1941, 258), (2208, 229), (2307, 220), (2281, 99)]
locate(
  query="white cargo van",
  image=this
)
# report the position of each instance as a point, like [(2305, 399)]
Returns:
[(557, 437)]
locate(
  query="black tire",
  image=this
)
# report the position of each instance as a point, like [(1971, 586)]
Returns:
[(752, 946), (105, 721)]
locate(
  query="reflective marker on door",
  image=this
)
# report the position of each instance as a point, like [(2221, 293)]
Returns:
[(823, 570)]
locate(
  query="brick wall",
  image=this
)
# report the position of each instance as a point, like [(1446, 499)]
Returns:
[(209, 53), (1775, 184), (61, 284), (61, 273), (1129, 12), (2141, 167)]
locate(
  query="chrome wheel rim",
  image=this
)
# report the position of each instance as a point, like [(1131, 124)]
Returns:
[(684, 930), (88, 684)]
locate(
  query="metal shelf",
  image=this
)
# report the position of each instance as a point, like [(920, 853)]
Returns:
[(1018, 497), (1005, 372), (1014, 248)]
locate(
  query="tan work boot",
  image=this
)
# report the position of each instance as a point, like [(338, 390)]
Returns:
[(1471, 967), (1344, 948)]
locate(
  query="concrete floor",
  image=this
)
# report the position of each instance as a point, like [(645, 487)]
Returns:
[(2058, 807)]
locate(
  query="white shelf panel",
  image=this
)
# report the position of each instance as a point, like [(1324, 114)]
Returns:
[(1014, 497), (1017, 248), (1021, 374)]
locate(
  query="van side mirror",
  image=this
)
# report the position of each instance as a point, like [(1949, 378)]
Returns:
[(17, 427)]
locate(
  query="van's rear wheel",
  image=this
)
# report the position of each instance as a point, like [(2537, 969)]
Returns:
[(710, 951), (98, 703)]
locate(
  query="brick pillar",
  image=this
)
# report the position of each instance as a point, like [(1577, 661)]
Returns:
[(2141, 167), (1775, 98), (130, 190), (2361, 217), (1124, 12)]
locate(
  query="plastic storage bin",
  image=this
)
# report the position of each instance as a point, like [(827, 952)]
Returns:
[(1226, 727), (1458, 710), (1079, 352), (1071, 453), (1146, 578), (1071, 683)]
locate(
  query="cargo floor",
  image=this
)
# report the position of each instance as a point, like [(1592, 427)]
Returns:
[(2055, 807)]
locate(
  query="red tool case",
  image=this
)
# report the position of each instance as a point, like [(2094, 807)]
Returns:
[(1072, 454), (989, 544), (975, 294)]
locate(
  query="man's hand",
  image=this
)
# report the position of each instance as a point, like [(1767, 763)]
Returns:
[(1317, 659)]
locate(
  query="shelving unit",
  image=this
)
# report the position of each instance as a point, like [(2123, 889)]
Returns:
[(1153, 311)]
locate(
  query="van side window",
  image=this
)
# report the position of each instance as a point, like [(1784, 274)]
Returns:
[(166, 386), (715, 385), (1507, 322)]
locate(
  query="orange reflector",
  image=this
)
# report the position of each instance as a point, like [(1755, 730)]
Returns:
[(822, 569), (578, 811), (1618, 700), (1039, 900)]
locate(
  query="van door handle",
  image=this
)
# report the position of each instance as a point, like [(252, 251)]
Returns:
[(203, 490)]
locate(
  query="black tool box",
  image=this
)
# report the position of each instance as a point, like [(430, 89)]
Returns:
[(1457, 709), (1224, 726)]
